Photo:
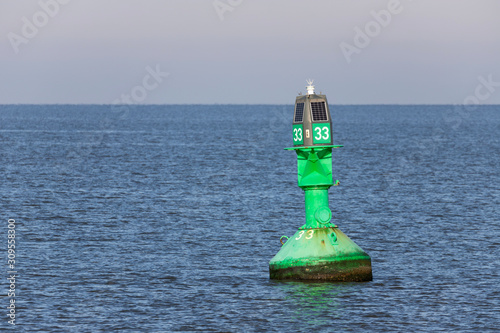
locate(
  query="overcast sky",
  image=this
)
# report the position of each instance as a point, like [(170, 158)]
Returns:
[(249, 51)]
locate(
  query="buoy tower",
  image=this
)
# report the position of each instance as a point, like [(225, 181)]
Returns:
[(318, 250)]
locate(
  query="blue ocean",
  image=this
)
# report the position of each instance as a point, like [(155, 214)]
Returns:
[(163, 218)]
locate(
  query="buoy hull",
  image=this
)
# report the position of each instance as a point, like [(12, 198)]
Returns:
[(321, 254)]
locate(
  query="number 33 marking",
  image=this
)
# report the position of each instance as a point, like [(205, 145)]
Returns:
[(310, 234), (297, 134), (325, 135)]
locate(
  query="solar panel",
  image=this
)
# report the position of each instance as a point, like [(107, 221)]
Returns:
[(299, 112), (318, 111)]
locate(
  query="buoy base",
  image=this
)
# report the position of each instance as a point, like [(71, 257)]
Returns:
[(346, 271), (321, 254)]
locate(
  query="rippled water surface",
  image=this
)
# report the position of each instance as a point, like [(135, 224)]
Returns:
[(164, 218)]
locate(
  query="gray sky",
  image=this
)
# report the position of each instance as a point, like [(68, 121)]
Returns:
[(249, 51)]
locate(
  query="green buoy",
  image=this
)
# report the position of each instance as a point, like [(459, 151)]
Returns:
[(318, 250)]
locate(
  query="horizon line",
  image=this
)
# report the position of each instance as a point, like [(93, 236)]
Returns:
[(241, 104)]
